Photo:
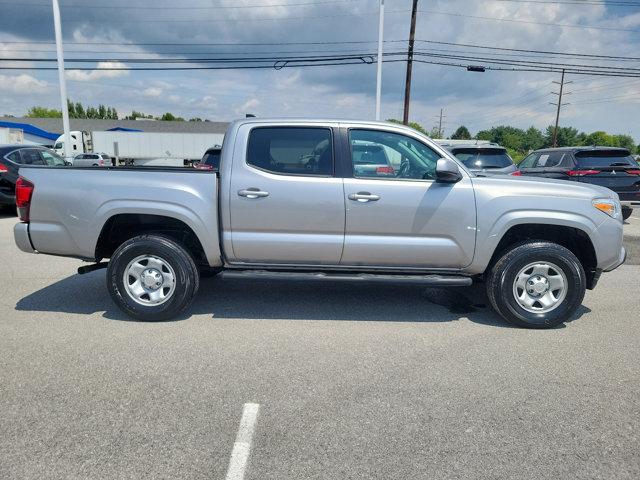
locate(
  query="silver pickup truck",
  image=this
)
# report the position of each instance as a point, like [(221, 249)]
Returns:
[(326, 200)]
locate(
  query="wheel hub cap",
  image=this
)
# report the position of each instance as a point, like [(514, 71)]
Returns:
[(149, 280), (540, 287)]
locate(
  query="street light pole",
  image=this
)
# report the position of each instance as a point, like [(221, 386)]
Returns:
[(379, 72), (61, 78)]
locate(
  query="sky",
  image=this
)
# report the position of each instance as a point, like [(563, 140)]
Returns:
[(116, 30)]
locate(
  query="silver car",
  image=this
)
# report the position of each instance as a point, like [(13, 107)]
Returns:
[(92, 160)]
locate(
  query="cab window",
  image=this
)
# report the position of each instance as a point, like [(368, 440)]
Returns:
[(291, 150), (390, 156)]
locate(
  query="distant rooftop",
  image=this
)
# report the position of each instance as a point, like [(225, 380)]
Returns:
[(54, 125)]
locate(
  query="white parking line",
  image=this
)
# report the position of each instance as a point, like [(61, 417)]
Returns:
[(242, 445)]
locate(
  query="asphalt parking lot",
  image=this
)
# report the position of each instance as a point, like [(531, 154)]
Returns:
[(352, 381)]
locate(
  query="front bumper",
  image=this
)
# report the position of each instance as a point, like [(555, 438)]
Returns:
[(21, 237), (622, 257)]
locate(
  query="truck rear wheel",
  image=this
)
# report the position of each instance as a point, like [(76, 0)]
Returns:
[(152, 278), (536, 284)]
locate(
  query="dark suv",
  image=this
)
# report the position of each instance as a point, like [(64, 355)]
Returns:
[(12, 157), (484, 159), (609, 167)]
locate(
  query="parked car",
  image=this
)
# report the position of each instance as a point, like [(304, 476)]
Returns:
[(609, 167), (92, 160), (12, 157), (210, 159), (270, 212), (487, 159), (371, 160)]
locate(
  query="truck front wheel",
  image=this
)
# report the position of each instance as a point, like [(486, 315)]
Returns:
[(536, 284), (152, 278)]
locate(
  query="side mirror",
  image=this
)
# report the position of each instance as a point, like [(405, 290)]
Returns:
[(447, 171)]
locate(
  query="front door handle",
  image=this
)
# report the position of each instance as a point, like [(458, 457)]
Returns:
[(253, 193), (364, 197)]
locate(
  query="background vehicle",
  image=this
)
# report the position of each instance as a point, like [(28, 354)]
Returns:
[(141, 148), (288, 200), (12, 157), (210, 159), (613, 168), (92, 160), (488, 159), (371, 160)]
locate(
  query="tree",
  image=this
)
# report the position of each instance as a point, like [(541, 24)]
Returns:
[(566, 137), (414, 125), (462, 133), (43, 112), (170, 117), (533, 140)]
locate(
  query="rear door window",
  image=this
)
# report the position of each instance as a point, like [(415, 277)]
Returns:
[(31, 156), (291, 150)]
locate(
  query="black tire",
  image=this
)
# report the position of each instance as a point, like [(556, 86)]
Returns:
[(187, 278), (209, 272), (502, 276), (626, 212)]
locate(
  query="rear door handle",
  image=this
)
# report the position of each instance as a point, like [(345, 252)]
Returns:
[(364, 197), (253, 193)]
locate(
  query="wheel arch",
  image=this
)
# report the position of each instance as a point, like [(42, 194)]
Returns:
[(121, 227), (573, 238)]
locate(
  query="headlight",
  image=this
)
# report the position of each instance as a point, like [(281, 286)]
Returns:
[(608, 206)]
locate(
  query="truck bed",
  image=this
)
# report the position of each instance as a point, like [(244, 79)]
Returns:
[(71, 205)]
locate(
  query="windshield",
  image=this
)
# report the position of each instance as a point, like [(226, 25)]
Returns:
[(58, 145), (369, 155), (605, 158), (483, 158)]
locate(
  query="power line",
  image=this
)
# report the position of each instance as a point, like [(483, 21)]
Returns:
[(612, 57), (599, 3), (513, 20), (178, 7)]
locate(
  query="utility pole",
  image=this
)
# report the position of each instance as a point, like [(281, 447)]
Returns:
[(379, 72), (440, 124), (61, 79), (407, 86), (562, 83)]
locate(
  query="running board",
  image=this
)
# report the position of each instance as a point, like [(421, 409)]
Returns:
[(431, 280)]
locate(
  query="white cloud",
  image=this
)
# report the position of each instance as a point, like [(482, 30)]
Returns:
[(152, 92), (247, 106), (22, 84), (88, 76)]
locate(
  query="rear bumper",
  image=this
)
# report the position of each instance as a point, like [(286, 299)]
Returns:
[(21, 237)]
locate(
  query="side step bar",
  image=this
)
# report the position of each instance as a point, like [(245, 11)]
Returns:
[(432, 280)]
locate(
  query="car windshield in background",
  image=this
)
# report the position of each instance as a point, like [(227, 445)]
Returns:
[(369, 155), (212, 158), (605, 159), (483, 158)]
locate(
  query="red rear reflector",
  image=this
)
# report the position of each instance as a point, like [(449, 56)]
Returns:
[(203, 166), (385, 171), (580, 173), (3, 169), (24, 191), (517, 173), (630, 172)]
